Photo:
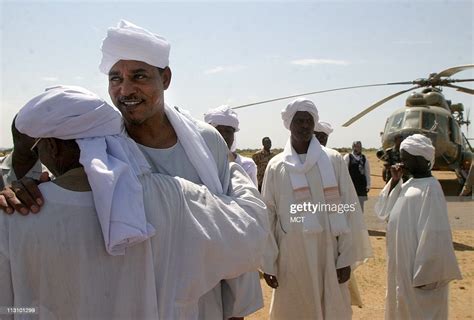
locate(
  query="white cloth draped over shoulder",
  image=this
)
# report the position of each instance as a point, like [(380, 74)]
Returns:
[(420, 254), (297, 172), (196, 149), (111, 160)]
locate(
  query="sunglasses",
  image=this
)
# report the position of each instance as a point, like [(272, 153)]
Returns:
[(35, 144)]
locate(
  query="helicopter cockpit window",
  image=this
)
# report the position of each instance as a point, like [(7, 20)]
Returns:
[(428, 121), (412, 120), (443, 124), (396, 122)]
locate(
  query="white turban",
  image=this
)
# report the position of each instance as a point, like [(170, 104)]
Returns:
[(130, 42), (111, 160), (419, 145), (300, 104), (322, 126), (222, 116)]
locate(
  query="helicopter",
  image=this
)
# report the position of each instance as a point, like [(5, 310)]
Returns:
[(427, 112)]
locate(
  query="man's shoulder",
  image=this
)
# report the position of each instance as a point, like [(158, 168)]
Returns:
[(247, 160), (276, 161)]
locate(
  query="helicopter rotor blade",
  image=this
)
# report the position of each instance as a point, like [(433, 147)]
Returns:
[(461, 89), (375, 105), (451, 71), (321, 91)]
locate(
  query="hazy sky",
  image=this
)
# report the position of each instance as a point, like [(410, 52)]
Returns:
[(239, 52)]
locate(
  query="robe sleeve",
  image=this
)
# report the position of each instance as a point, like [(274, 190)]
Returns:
[(353, 247), (218, 237), (387, 200), (253, 173), (435, 261), (270, 256), (6, 291)]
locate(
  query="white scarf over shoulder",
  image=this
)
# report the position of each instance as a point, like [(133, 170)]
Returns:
[(297, 170), (111, 160)]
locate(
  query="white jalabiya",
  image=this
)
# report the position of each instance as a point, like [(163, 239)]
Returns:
[(322, 126), (419, 145), (249, 166), (222, 116), (419, 250), (305, 263), (233, 295), (201, 238), (111, 160), (131, 42), (297, 171)]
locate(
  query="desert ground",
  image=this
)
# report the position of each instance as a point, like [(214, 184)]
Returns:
[(371, 276)]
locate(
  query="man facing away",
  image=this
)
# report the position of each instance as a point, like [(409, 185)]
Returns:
[(137, 64), (359, 169), (89, 254), (261, 159), (226, 121), (317, 229), (420, 255)]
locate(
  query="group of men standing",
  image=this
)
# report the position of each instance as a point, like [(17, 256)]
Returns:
[(163, 220)]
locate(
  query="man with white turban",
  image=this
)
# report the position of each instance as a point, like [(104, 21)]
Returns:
[(322, 130), (226, 121), (136, 62), (420, 255), (317, 229), (247, 291), (105, 202)]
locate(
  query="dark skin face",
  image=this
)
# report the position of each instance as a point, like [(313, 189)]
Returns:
[(416, 165), (137, 90), (59, 156), (23, 158), (228, 133), (357, 148), (301, 128), (267, 144), (322, 137)]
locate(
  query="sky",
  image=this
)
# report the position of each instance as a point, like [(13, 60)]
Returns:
[(244, 51)]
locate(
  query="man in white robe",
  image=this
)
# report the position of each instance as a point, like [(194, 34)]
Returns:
[(226, 121), (247, 290), (311, 251), (137, 64), (55, 260), (322, 130), (420, 255)]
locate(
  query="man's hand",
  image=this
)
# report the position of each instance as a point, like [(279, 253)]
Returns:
[(23, 196), (343, 274), (272, 281)]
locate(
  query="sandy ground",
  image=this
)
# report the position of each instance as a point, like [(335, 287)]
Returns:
[(371, 276)]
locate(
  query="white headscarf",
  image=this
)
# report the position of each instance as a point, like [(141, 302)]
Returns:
[(130, 42), (322, 126), (222, 116), (111, 160), (300, 104), (419, 145)]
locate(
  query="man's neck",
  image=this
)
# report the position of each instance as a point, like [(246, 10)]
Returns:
[(300, 147), (74, 180), (156, 132)]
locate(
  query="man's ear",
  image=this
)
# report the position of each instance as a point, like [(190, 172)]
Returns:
[(166, 77), (52, 146)]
